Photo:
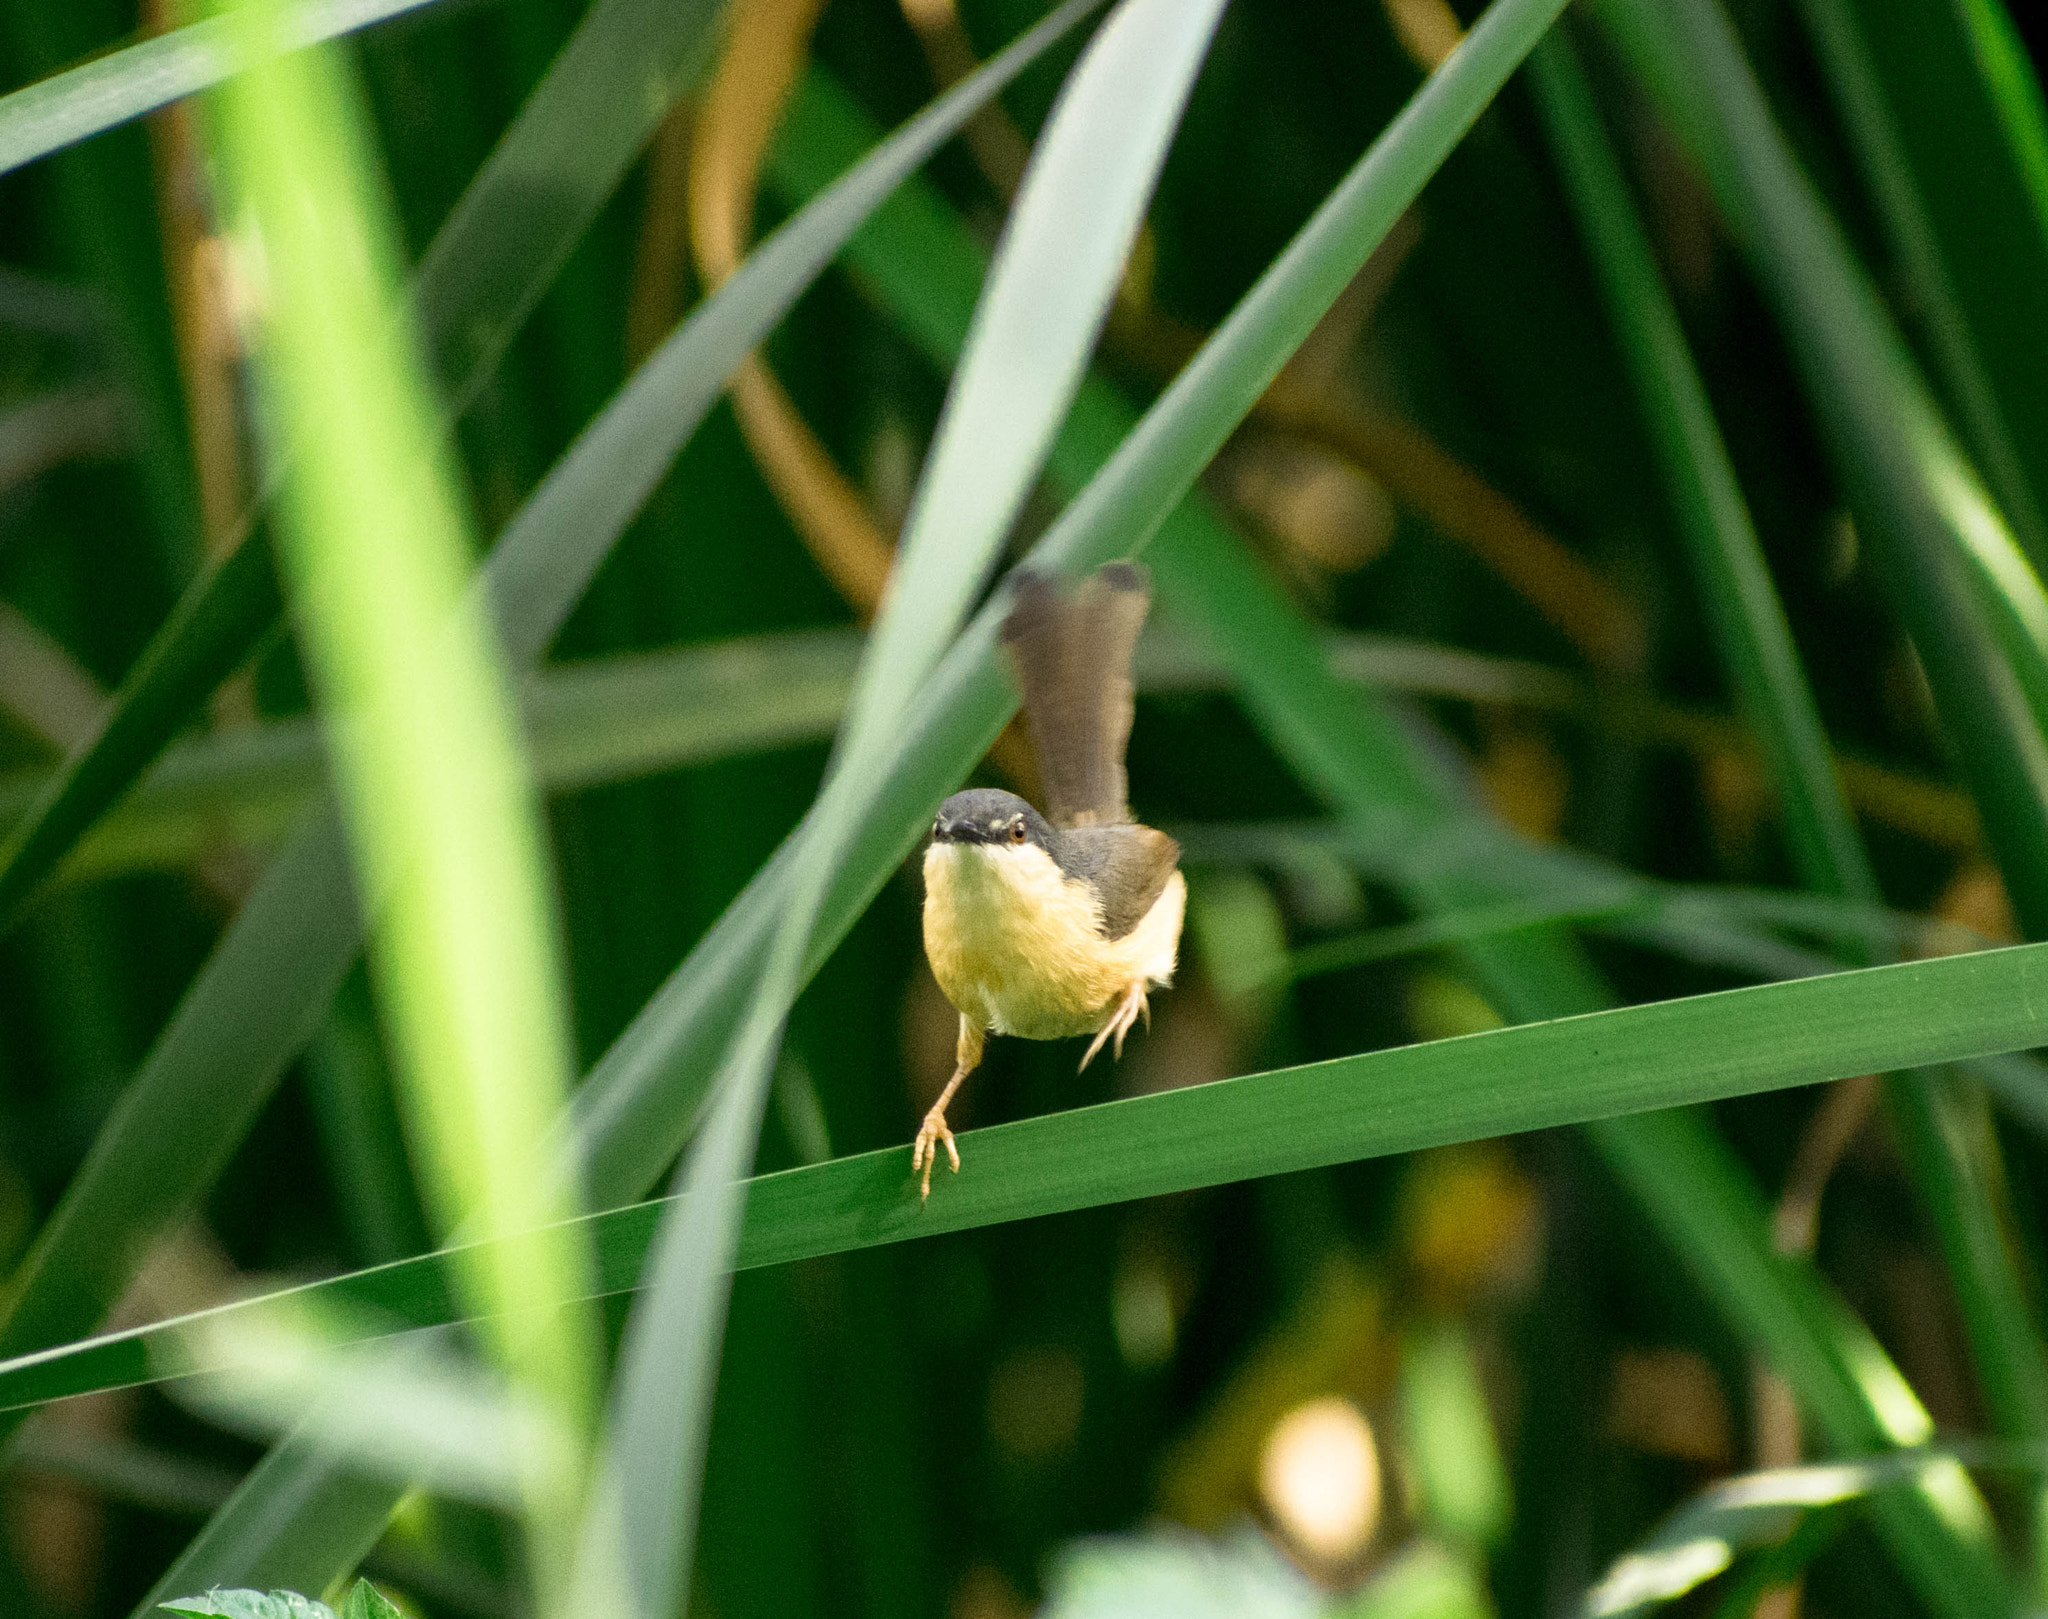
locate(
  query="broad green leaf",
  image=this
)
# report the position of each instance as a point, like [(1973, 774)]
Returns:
[(1530, 1076), (1055, 272), (365, 1601), (251, 1605), (99, 95)]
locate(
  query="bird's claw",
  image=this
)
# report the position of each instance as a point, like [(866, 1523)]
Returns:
[(1128, 1010), (924, 1152)]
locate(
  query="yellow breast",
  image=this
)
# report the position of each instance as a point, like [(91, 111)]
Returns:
[(1015, 944)]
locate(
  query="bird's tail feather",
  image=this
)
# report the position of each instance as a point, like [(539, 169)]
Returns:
[(1072, 654)]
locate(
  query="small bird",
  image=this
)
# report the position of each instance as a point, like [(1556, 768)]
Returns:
[(1052, 925)]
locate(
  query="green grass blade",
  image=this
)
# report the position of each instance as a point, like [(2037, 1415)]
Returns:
[(426, 747), (1048, 291), (554, 544), (1944, 1133), (1756, 645), (1530, 1076), (213, 629), (1737, 1515), (577, 134), (574, 138), (290, 1525), (2015, 89), (70, 106), (1957, 579), (1944, 115), (1711, 1214), (265, 988), (632, 715), (1754, 639)]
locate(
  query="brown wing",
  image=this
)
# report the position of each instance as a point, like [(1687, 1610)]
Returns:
[(1072, 654), (1126, 865)]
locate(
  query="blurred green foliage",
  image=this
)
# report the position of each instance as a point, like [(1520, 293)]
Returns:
[(1516, 440)]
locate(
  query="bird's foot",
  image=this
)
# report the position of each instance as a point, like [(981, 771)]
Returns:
[(1128, 1011), (924, 1152)]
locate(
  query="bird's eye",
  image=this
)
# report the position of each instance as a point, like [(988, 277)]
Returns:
[(1016, 831)]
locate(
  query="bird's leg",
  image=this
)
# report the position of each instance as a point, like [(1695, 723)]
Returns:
[(924, 1152), (1128, 1010)]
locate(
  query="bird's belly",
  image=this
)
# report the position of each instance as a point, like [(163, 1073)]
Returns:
[(1015, 947)]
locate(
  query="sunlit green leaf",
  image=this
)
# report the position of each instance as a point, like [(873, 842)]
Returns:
[(79, 103)]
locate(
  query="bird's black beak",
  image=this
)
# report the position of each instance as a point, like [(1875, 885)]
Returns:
[(945, 830)]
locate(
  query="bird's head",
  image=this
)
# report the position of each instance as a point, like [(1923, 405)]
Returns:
[(993, 819)]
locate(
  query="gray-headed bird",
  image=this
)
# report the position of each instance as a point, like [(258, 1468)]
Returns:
[(1052, 925)]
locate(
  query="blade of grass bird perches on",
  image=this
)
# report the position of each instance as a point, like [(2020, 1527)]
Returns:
[(1756, 646), (638, 1105), (1944, 114), (486, 267), (1521, 1077), (1040, 311), (445, 830), (1956, 578), (262, 993), (82, 101), (1371, 768)]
